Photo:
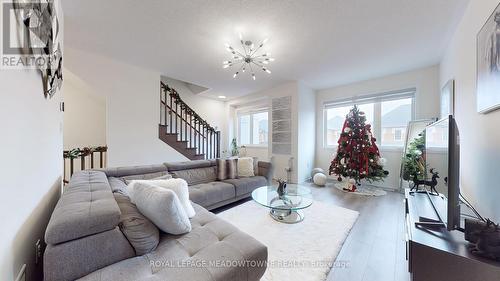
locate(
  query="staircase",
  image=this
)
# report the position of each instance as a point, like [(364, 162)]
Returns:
[(184, 130)]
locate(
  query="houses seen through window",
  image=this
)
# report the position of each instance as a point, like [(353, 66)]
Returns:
[(336, 116), (395, 115), (398, 134), (388, 115)]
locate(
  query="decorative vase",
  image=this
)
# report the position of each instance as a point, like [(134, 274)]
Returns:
[(281, 188)]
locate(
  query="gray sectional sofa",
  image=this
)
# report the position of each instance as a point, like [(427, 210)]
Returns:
[(85, 242)]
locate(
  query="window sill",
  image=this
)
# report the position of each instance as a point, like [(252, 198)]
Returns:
[(255, 146), (382, 148), (391, 148), (330, 147)]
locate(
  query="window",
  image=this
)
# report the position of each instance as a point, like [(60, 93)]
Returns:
[(253, 128), (437, 136), (244, 125), (388, 114), (398, 134), (395, 115), (335, 118)]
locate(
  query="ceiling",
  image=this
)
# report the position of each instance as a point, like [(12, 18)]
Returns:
[(322, 43)]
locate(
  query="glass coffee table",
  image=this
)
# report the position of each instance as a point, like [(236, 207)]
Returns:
[(287, 208)]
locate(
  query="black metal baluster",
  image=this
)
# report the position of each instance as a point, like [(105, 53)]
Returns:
[(204, 142), (218, 144), (171, 117), (191, 130), (82, 162), (215, 144), (208, 142), (165, 109), (161, 104), (176, 116), (211, 145), (180, 117)]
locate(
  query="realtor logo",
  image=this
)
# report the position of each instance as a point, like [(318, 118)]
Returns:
[(30, 40)]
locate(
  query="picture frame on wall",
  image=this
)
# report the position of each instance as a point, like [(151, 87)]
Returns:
[(448, 99), (488, 64)]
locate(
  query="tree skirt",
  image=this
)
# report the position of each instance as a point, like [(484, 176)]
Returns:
[(312, 245), (365, 190)]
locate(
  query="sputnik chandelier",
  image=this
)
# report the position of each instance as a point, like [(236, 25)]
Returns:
[(249, 59)]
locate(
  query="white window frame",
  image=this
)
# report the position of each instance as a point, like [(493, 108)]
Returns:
[(250, 113), (377, 100), (400, 134)]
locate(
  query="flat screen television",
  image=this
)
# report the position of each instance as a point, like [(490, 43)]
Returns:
[(442, 156)]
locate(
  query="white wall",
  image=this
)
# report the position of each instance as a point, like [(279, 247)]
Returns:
[(133, 110), (31, 149), (84, 114), (425, 80), (306, 131), (479, 134)]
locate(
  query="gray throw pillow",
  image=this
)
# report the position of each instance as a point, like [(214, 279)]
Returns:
[(256, 166), (161, 206), (142, 234), (232, 168), (118, 185), (221, 169), (180, 187)]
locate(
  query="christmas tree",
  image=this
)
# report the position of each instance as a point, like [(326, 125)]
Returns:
[(414, 160), (357, 155)]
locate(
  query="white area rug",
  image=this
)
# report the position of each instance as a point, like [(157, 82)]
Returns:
[(304, 251), (365, 190)]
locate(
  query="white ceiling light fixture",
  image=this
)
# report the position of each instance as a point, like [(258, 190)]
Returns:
[(248, 59), (222, 97)]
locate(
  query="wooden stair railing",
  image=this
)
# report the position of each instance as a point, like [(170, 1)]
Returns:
[(184, 130), (88, 157)]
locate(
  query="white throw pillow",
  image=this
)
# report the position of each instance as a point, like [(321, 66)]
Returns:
[(245, 167), (180, 187), (161, 206)]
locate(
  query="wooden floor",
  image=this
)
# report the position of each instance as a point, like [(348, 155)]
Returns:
[(375, 248)]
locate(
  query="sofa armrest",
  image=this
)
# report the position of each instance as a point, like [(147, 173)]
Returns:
[(266, 170)]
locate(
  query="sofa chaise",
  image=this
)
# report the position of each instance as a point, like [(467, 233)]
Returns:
[(84, 240)]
